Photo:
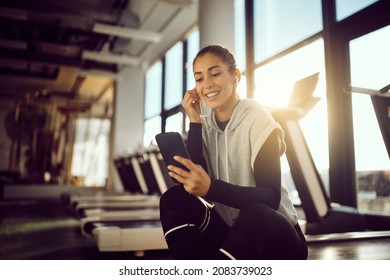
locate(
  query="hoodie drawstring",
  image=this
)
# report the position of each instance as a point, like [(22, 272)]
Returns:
[(226, 156), (216, 158)]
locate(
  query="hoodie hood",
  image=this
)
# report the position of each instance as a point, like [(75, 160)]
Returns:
[(242, 109)]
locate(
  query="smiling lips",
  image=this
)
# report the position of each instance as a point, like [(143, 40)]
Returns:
[(212, 94)]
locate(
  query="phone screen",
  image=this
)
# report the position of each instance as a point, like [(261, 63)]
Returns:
[(171, 144)]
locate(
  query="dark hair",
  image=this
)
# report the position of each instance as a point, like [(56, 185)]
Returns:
[(223, 53)]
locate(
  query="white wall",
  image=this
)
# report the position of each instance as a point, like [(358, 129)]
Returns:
[(216, 23)]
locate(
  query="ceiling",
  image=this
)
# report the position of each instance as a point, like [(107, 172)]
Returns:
[(76, 47)]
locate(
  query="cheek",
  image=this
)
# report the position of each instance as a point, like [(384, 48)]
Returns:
[(198, 89)]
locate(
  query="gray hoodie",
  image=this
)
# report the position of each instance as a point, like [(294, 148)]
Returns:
[(230, 154)]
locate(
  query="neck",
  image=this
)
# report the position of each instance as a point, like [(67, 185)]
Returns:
[(225, 113)]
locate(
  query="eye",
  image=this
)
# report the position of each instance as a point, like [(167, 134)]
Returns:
[(215, 74), (198, 80)]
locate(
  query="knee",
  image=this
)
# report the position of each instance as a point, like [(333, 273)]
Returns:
[(253, 215), (257, 211), (170, 197)]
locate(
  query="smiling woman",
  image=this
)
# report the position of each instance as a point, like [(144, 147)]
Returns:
[(235, 163)]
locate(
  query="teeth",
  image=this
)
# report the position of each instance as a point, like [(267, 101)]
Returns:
[(211, 94)]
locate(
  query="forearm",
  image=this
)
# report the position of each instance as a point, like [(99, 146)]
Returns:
[(240, 196), (195, 144)]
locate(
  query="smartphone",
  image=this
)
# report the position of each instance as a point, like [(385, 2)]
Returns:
[(171, 144)]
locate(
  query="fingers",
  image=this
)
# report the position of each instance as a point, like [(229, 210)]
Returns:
[(185, 161), (191, 97), (193, 93), (179, 171), (176, 177), (179, 174), (195, 181)]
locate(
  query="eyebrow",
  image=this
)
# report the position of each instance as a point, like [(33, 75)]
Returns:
[(209, 69)]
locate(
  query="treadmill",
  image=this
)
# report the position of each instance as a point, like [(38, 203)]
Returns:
[(325, 221), (127, 175), (121, 229), (145, 188)]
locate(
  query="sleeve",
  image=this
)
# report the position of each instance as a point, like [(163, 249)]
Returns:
[(195, 144), (267, 173)]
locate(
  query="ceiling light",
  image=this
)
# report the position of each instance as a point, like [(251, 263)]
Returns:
[(127, 32), (99, 73), (111, 58)]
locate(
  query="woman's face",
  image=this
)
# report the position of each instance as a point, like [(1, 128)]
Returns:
[(215, 85)]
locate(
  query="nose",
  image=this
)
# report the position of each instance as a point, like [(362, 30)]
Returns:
[(208, 82)]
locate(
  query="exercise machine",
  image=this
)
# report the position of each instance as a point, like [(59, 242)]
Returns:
[(322, 216)]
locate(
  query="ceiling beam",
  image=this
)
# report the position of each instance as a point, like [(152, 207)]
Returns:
[(178, 3), (127, 32), (111, 58)]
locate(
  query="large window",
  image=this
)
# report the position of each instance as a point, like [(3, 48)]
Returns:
[(152, 126), (173, 91), (153, 90), (174, 123), (274, 83), (91, 152), (369, 69), (345, 8), (153, 99), (165, 84), (192, 50), (279, 24)]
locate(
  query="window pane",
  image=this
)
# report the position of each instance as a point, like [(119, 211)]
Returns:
[(274, 83), (91, 152), (151, 128), (174, 76), (192, 50), (369, 56), (241, 89), (174, 123), (346, 8), (153, 90), (279, 24), (239, 33)]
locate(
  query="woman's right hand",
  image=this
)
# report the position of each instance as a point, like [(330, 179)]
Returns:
[(191, 104)]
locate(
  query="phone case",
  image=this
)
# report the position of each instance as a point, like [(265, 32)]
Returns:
[(171, 144)]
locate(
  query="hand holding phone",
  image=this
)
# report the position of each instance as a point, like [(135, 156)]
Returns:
[(171, 144)]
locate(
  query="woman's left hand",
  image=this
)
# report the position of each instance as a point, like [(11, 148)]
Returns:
[(196, 181)]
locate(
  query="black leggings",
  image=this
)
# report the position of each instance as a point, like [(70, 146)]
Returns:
[(193, 231)]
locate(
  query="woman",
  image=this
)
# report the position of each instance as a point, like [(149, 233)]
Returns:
[(235, 164)]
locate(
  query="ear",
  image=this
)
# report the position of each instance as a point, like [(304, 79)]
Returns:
[(237, 73)]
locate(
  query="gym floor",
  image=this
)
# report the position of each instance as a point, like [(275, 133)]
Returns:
[(42, 229)]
